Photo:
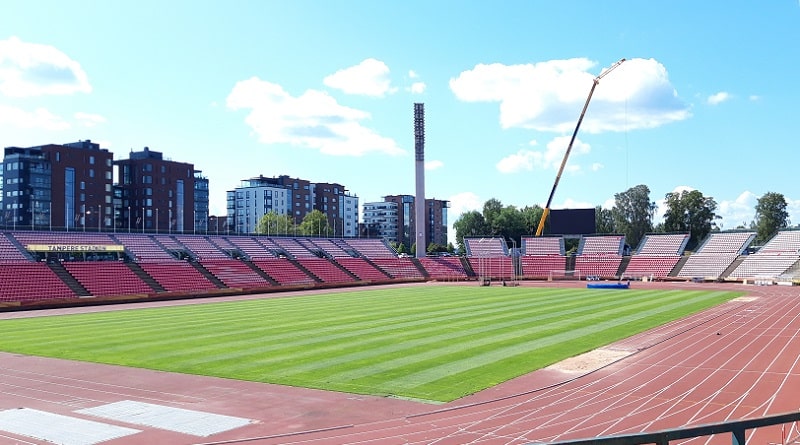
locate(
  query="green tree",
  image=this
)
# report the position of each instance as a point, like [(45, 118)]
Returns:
[(771, 216), (469, 224), (273, 223), (532, 216), (603, 220), (633, 213), (491, 214), (690, 211), (315, 223), (437, 248), (511, 225)]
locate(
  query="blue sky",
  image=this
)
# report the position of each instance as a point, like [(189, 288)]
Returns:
[(324, 90)]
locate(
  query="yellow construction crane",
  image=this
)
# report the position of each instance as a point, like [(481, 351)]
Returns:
[(546, 211)]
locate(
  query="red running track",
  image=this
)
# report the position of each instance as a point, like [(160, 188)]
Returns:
[(737, 361)]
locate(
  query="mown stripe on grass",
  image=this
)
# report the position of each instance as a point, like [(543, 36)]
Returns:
[(560, 330), (375, 341), (458, 329), (289, 350)]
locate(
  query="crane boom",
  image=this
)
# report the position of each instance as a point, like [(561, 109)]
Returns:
[(546, 211)]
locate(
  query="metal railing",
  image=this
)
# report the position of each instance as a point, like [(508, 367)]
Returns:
[(737, 428)]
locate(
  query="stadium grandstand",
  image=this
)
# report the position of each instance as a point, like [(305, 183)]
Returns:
[(69, 267)]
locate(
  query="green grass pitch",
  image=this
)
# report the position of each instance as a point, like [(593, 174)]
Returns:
[(434, 343)]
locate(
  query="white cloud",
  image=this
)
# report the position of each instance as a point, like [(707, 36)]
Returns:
[(570, 203), (793, 207), (433, 165), (718, 98), (547, 96), (550, 157), (38, 119), (737, 212), (312, 120), (32, 69), (368, 78), (754, 97), (523, 160), (89, 120), (412, 74), (461, 203), (464, 202), (597, 166), (417, 88)]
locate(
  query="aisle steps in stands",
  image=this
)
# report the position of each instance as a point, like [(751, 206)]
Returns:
[(69, 280), (307, 272), (261, 273), (210, 276), (144, 276), (623, 265)]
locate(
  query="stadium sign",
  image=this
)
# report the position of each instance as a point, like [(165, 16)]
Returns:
[(75, 248)]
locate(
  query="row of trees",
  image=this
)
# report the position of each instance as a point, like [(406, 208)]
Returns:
[(315, 223), (632, 215)]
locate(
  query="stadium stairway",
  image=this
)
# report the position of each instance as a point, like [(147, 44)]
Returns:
[(570, 265), (623, 265), (304, 269), (69, 280), (260, 272), (467, 267), (420, 267), (732, 267), (19, 246), (372, 263), (675, 270), (144, 276), (210, 276)]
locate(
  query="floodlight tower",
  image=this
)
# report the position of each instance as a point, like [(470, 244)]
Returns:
[(419, 200)]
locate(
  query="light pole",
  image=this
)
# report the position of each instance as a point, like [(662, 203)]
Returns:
[(33, 209), (129, 219)]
